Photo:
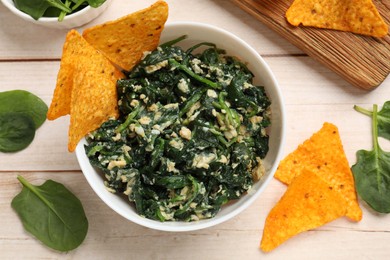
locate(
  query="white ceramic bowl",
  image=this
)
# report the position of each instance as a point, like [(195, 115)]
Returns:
[(74, 20), (235, 47)]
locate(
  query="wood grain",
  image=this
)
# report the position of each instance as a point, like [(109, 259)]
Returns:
[(312, 93), (111, 236), (363, 61)]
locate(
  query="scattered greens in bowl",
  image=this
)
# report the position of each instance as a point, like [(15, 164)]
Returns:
[(54, 8), (191, 134)]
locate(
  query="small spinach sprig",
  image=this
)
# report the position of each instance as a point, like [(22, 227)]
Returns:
[(54, 8), (383, 119), (372, 169), (51, 213)]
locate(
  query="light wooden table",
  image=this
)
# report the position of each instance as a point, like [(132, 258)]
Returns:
[(29, 60)]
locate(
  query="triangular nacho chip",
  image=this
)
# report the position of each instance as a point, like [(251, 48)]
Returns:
[(357, 16), (308, 203), (75, 48), (60, 104), (94, 95), (124, 40), (324, 155), (88, 92), (94, 101)]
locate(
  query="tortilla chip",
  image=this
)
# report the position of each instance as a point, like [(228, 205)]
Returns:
[(324, 155), (124, 41), (74, 48), (308, 203), (357, 16), (94, 101), (90, 90), (60, 104)]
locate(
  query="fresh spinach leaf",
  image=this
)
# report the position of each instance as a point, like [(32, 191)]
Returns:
[(372, 172), (383, 117), (21, 113), (24, 102), (51, 213), (36, 8), (17, 131), (39, 8)]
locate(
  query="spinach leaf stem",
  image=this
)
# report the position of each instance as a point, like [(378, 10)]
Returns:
[(192, 74), (195, 98), (224, 106), (77, 4), (375, 128), (376, 146), (61, 6), (63, 13), (233, 117), (95, 149), (174, 41), (363, 110), (129, 119)]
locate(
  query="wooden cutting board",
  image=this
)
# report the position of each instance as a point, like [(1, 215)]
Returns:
[(363, 61)]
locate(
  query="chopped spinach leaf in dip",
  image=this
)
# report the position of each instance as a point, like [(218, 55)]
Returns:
[(190, 137)]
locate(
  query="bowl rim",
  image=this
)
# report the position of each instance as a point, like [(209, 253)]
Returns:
[(11, 6), (201, 224)]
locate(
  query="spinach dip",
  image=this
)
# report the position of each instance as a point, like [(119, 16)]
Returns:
[(190, 137)]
